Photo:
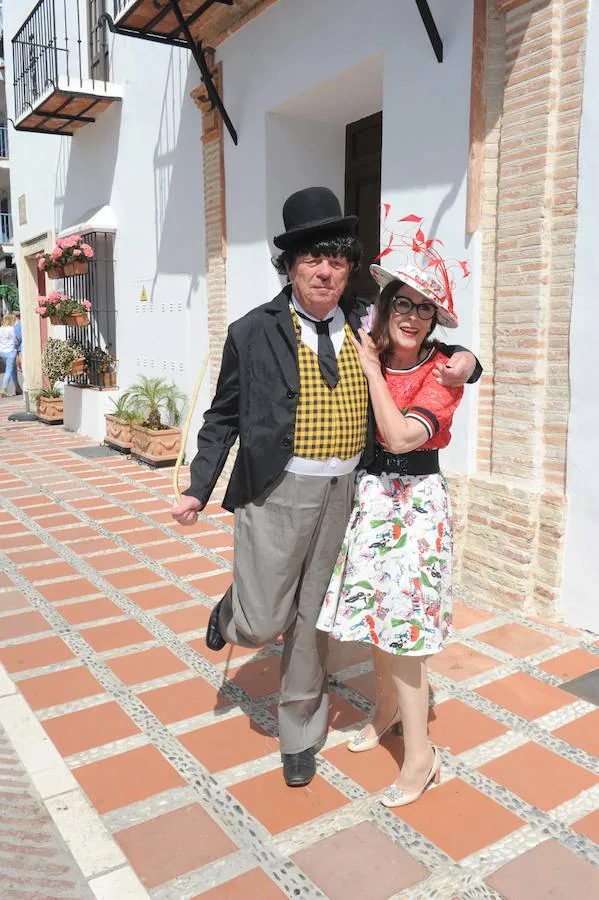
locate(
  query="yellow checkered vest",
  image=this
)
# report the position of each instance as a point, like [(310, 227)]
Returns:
[(330, 421)]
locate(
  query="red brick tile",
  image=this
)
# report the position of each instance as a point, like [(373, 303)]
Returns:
[(22, 624), (230, 652), (87, 728), (103, 562), (459, 819), (119, 634), (5, 581), (458, 662), (24, 557), (229, 743), (373, 770), (213, 585), (342, 713), (13, 528), (68, 590), (571, 665), (46, 573), (582, 732), (120, 526), (215, 539), (162, 595), (258, 678), (166, 549), (12, 600), (191, 565), (145, 665), (360, 862), (133, 578), (190, 619), (110, 511), (53, 522), (269, 800), (44, 652), (226, 554), (517, 640), (126, 778), (183, 700), (173, 844), (144, 535), (77, 535), (254, 883), (549, 870), (538, 776), (459, 727), (524, 695), (90, 611), (22, 540), (59, 687), (589, 826), (93, 545)]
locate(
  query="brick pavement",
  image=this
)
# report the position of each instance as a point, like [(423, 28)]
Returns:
[(171, 748)]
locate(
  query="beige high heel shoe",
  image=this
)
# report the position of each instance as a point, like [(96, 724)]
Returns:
[(362, 742), (394, 796)]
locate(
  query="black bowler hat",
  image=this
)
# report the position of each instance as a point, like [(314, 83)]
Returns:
[(311, 210)]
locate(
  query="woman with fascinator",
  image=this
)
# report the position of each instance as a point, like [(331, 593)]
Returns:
[(391, 586)]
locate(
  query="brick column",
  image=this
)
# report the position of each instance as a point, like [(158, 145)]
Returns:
[(512, 550)]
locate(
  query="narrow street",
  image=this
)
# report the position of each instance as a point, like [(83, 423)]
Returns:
[(135, 762)]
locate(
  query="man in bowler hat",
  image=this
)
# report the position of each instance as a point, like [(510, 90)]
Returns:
[(292, 389)]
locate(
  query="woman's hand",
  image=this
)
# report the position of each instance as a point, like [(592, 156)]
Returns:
[(457, 370), (368, 355)]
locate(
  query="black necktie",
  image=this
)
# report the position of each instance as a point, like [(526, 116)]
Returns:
[(327, 358)]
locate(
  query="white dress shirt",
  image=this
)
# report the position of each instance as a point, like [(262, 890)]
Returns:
[(333, 466)]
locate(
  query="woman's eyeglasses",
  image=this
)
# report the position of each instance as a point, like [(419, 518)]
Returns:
[(403, 307)]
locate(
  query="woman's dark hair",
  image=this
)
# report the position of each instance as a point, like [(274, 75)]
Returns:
[(380, 330), (340, 243)]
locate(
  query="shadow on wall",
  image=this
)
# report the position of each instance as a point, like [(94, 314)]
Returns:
[(178, 178), (86, 167)]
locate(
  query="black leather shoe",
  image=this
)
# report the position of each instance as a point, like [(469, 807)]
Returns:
[(214, 639), (299, 768)]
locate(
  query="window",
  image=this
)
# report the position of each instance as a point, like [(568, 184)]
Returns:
[(98, 41)]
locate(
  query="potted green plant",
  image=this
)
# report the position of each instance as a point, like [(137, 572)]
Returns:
[(103, 365), (119, 423), (57, 359), (156, 437)]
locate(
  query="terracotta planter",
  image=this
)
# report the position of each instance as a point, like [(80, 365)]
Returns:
[(79, 319), (108, 379), (50, 410), (118, 432), (75, 268), (55, 272), (54, 320), (78, 366), (156, 447)]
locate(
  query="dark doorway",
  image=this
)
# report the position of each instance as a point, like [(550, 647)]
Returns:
[(363, 145)]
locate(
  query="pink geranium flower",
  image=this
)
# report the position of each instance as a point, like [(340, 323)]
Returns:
[(86, 303)]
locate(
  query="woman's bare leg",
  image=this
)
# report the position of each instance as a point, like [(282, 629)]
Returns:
[(385, 694), (409, 676)]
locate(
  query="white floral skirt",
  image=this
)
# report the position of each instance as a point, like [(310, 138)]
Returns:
[(391, 585)]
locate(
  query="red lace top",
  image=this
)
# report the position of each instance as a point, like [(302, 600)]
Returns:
[(417, 393)]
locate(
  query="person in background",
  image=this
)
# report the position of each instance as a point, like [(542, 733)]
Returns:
[(8, 352), (19, 342)]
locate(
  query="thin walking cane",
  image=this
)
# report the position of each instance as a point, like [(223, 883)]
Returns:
[(186, 427)]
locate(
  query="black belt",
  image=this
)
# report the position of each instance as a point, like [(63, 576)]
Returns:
[(418, 462)]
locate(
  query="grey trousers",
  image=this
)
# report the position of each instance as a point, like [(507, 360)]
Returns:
[(286, 545)]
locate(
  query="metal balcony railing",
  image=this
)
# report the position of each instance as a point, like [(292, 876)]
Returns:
[(52, 50), (5, 228), (3, 142)]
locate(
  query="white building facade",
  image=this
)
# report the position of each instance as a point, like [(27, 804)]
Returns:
[(361, 98)]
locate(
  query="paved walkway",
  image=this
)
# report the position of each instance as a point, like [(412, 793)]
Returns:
[(157, 759)]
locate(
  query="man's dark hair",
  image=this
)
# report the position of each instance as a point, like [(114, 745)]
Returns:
[(380, 329), (340, 243)]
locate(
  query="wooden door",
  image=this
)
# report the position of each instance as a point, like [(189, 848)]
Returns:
[(41, 290), (363, 146)]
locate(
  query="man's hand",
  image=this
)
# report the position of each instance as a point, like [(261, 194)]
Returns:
[(457, 370), (186, 512)]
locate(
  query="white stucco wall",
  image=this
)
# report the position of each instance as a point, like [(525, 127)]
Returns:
[(142, 157), (580, 599), (294, 77)]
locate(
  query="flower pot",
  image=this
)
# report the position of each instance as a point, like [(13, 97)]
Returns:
[(78, 366), (108, 379), (50, 410), (55, 272), (160, 448), (75, 268), (118, 432), (54, 320), (79, 319)]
